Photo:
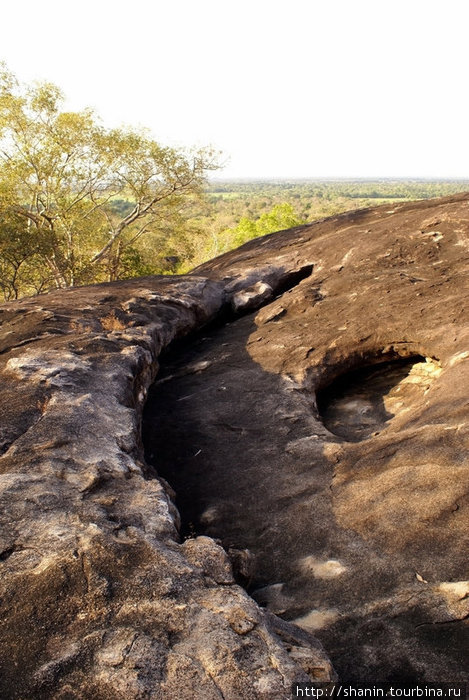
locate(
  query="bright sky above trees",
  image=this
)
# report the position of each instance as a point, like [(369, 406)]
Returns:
[(304, 88)]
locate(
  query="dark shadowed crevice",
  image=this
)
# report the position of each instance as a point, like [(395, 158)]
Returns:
[(6, 554), (234, 442), (292, 279), (359, 403), (227, 314)]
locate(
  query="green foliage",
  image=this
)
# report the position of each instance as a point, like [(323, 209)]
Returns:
[(80, 199), (281, 216), (22, 250), (214, 242), (80, 203), (239, 211)]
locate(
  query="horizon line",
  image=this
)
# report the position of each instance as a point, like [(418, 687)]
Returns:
[(338, 178)]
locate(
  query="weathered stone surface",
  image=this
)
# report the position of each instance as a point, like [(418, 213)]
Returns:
[(252, 297), (98, 597), (328, 435), (360, 537)]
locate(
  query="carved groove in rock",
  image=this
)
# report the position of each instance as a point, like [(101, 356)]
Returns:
[(362, 543), (360, 538)]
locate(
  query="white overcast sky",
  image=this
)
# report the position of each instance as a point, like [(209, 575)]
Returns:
[(304, 88)]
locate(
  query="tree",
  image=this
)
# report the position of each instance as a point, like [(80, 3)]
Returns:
[(22, 250), (281, 216), (63, 178)]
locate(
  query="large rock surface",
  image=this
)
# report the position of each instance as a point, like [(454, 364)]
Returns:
[(342, 501), (99, 597)]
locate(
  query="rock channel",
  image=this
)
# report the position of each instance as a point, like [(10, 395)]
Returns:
[(310, 414)]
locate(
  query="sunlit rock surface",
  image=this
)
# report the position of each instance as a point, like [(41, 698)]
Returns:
[(338, 501), (327, 435), (99, 596)]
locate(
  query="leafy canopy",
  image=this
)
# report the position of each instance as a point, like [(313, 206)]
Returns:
[(63, 178)]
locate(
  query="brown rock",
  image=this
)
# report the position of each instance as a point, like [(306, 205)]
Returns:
[(329, 436), (99, 599), (212, 559)]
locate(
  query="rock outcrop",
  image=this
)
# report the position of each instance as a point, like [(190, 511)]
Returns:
[(315, 432)]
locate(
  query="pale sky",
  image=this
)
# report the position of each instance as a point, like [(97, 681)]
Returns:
[(304, 88)]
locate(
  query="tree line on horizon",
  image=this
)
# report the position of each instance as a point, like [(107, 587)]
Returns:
[(81, 203)]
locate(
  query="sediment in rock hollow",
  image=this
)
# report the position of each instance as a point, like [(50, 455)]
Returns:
[(353, 507), (363, 543)]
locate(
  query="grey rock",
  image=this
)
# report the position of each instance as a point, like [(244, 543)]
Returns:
[(98, 597)]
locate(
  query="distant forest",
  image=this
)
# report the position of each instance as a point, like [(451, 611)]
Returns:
[(234, 212), (82, 203), (228, 214)]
